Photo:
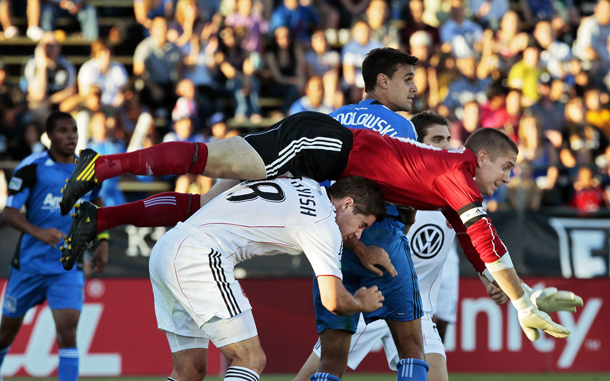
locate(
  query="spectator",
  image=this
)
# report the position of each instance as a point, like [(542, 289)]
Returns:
[(110, 76), (550, 113), (426, 97), (250, 24), (312, 101), (469, 123), (79, 9), (524, 74), (323, 62), (6, 20), (49, 76), (465, 89), (218, 123), (351, 10), (494, 113), (585, 140), (588, 195), (420, 46), (382, 30), (184, 128), (28, 143), (554, 54), (146, 10), (300, 20), (522, 191), (537, 152), (596, 115), (284, 60), (237, 67), (104, 141), (488, 13), (416, 23), (156, 63), (459, 33), (180, 30), (510, 41), (601, 78), (83, 107), (13, 105), (34, 32), (593, 33), (353, 55)]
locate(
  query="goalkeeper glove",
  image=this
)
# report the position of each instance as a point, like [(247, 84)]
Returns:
[(531, 319), (550, 300)]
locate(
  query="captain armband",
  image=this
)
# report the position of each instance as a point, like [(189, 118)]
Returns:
[(504, 263), (103, 236), (471, 213)]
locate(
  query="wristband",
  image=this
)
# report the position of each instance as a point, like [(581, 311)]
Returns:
[(523, 303), (103, 236)]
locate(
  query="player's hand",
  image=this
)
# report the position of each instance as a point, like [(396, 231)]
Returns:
[(371, 298), (371, 257), (532, 319), (100, 258), (50, 236), (496, 294), (550, 300)]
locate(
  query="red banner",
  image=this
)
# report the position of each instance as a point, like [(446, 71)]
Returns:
[(117, 332)]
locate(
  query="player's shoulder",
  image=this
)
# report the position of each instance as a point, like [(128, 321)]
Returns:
[(33, 160)]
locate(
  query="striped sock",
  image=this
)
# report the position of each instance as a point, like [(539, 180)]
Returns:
[(238, 373), (68, 364), (323, 377), (412, 369)]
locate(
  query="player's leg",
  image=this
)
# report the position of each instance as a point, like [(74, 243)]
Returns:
[(246, 358), (408, 338), (438, 367), (164, 209), (309, 368), (189, 357), (65, 294), (9, 327)]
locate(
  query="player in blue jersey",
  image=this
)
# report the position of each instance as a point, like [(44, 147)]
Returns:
[(36, 273), (388, 76)]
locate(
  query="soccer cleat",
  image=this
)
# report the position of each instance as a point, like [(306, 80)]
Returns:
[(82, 180), (82, 234)]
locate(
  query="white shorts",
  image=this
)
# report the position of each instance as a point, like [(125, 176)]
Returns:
[(195, 290), (377, 334), (447, 299)]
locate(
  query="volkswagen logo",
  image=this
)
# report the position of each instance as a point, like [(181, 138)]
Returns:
[(427, 241)]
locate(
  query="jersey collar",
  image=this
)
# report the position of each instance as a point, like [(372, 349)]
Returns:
[(368, 102)]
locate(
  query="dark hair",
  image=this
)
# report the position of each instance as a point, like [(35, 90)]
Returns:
[(495, 142), (368, 198), (51, 122), (424, 120), (383, 60)]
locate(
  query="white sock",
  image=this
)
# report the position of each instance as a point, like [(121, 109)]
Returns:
[(237, 373)]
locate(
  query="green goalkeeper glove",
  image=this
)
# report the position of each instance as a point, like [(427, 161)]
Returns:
[(531, 319), (550, 300)]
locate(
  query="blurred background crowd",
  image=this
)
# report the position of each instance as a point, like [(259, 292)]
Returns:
[(201, 70)]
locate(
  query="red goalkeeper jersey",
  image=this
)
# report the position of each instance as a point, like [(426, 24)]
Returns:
[(427, 178)]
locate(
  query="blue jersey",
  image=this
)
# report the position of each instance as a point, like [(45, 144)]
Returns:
[(373, 115), (37, 184)]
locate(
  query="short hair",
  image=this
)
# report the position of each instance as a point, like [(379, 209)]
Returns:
[(383, 60), (98, 46), (368, 198), (495, 142), (424, 120), (51, 122)]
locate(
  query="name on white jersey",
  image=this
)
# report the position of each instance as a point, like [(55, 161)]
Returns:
[(306, 199), (370, 121)]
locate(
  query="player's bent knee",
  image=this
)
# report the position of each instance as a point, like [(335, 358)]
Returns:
[(438, 367)]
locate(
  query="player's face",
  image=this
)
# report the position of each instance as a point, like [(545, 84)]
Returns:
[(437, 136), (64, 137), (401, 89), (491, 175), (352, 224)]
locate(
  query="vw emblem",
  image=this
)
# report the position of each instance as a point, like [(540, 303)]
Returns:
[(427, 241)]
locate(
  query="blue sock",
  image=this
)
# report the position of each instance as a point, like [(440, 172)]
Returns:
[(323, 377), (3, 353), (412, 369), (68, 364)]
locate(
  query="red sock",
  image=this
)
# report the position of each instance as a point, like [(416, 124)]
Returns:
[(163, 209), (173, 158)]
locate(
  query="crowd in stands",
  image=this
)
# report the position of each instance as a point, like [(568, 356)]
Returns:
[(538, 69)]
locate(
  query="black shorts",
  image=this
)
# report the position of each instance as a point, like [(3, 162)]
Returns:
[(307, 144)]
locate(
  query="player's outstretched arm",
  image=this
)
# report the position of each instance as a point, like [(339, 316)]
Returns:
[(371, 256), (339, 301), (550, 300), (14, 218)]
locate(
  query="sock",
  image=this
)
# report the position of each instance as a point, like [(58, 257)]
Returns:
[(238, 373), (68, 364), (412, 369), (323, 376), (171, 379), (173, 158), (163, 209), (3, 353)]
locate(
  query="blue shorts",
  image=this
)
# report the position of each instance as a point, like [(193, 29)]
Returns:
[(402, 297), (25, 290)]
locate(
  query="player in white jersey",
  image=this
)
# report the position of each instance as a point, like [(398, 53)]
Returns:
[(445, 312)]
